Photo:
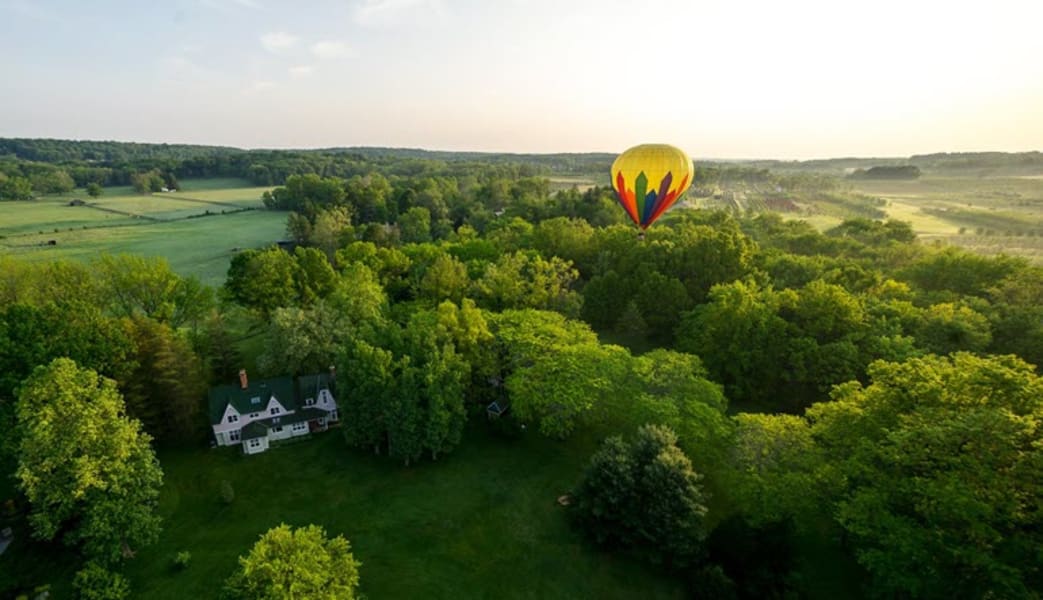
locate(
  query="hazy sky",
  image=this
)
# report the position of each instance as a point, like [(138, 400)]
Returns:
[(719, 78)]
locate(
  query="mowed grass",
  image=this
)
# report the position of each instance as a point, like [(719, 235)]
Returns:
[(163, 207), (481, 522), (202, 247), (199, 246), (44, 216)]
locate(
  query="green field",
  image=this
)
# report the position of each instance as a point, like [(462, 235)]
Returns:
[(990, 215), (985, 214), (481, 522), (155, 225)]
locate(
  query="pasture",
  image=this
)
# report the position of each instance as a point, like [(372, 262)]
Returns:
[(985, 214), (990, 215), (196, 229)]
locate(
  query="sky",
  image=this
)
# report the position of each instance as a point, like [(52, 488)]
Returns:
[(790, 79)]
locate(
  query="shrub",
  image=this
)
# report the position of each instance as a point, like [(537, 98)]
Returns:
[(181, 559), (95, 582), (227, 492)]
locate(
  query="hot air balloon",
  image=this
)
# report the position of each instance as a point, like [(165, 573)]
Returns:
[(648, 179)]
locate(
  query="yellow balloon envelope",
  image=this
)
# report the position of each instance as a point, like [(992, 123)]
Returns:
[(649, 179)]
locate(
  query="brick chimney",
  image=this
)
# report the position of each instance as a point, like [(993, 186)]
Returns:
[(243, 382)]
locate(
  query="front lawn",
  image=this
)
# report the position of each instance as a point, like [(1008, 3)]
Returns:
[(481, 522)]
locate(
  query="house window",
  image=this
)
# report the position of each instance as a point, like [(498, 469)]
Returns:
[(309, 401), (255, 443), (233, 436), (254, 415), (277, 429), (275, 410), (233, 418)]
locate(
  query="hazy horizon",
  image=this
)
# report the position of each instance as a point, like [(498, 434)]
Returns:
[(722, 80)]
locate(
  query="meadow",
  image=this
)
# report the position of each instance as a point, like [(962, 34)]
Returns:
[(196, 229), (482, 522), (985, 214), (990, 215)]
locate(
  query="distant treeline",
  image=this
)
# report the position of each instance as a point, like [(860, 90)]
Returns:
[(978, 160), (30, 167), (887, 172), (926, 162)]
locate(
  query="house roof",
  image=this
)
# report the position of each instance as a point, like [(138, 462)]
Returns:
[(252, 399), (259, 428), (498, 407), (309, 385), (254, 430)]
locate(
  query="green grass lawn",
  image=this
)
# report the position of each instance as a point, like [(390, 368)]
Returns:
[(198, 246), (481, 522), (42, 217), (242, 196), (156, 206), (990, 215)]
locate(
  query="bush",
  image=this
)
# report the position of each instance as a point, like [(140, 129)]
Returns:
[(711, 583), (95, 582), (227, 492), (181, 560)]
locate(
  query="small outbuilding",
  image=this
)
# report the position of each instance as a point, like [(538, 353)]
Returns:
[(497, 409)]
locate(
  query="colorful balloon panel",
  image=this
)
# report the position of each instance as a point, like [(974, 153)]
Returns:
[(649, 179)]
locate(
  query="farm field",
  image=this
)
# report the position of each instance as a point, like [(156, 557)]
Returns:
[(479, 523), (985, 214), (582, 183), (156, 225)]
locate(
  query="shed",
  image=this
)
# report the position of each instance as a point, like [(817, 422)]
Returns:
[(496, 409)]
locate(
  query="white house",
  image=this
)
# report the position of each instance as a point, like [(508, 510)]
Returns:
[(254, 414)]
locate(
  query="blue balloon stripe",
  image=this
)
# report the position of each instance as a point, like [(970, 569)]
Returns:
[(650, 203)]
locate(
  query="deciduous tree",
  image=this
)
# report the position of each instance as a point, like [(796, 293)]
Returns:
[(643, 496), (87, 470), (292, 564), (942, 465)]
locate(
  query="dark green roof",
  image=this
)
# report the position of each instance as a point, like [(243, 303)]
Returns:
[(259, 429), (298, 416), (308, 385), (244, 400), (254, 430)]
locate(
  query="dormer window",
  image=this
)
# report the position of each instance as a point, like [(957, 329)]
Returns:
[(309, 401), (275, 410), (233, 418), (255, 400)]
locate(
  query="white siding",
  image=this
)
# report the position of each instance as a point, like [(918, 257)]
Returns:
[(225, 438), (221, 429), (328, 404), (273, 402), (280, 435), (255, 446)]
